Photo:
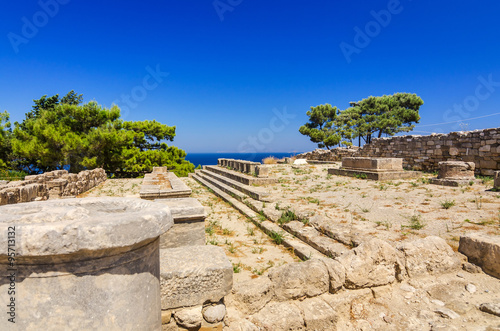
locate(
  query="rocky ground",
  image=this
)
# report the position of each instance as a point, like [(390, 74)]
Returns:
[(396, 212)]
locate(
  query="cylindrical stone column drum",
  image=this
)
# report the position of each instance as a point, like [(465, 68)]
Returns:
[(81, 264)]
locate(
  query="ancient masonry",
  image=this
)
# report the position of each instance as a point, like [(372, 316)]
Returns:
[(455, 173), (50, 185), (373, 168), (425, 152), (194, 277)]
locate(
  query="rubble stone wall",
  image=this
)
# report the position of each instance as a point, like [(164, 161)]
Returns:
[(425, 152), (331, 155), (54, 185)]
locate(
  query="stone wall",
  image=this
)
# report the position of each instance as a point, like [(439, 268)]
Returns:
[(54, 185), (425, 152), (332, 155)]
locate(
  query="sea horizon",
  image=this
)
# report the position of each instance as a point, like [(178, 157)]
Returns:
[(211, 158)]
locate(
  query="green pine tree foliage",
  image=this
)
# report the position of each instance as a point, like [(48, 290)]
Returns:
[(64, 132), (320, 128), (373, 116), (5, 141)]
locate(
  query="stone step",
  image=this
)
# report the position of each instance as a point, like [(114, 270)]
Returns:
[(226, 188), (299, 248), (253, 192), (314, 238), (239, 177)]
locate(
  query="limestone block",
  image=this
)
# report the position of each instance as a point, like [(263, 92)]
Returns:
[(296, 280), (429, 256), (251, 296), (318, 315), (192, 275), (456, 170), (374, 164), (279, 316), (482, 250), (497, 180), (85, 263), (373, 263)]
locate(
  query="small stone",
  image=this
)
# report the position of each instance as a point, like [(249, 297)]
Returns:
[(472, 268), (471, 288), (189, 318), (387, 319), (460, 275), (491, 308), (446, 313), (438, 303), (407, 288), (214, 314), (165, 316)]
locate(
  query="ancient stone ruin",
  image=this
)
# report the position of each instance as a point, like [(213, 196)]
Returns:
[(162, 184), (425, 152), (496, 184), (373, 168), (50, 185), (88, 263), (255, 169), (454, 173)]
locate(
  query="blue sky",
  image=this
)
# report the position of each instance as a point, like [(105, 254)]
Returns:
[(239, 75)]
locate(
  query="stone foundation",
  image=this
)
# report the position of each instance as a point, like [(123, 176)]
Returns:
[(454, 173), (373, 168), (88, 264), (50, 185), (247, 167), (425, 152), (162, 184)]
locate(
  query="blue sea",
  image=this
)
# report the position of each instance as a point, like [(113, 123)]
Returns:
[(211, 158)]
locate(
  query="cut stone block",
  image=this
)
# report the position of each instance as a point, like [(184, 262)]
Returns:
[(192, 275), (189, 223), (167, 186), (373, 164), (95, 260), (482, 250), (497, 180), (456, 170), (373, 168), (455, 173)]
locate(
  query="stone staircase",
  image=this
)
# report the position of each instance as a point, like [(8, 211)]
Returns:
[(306, 237)]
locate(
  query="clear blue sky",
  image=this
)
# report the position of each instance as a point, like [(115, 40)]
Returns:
[(231, 69)]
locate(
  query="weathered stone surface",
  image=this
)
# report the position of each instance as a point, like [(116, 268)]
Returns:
[(279, 316), (166, 315), (336, 273), (425, 152), (373, 164), (189, 223), (252, 295), (56, 184), (163, 185), (446, 313), (184, 209), (301, 279), (497, 180), (482, 250), (94, 260), (192, 275), (189, 317), (76, 225), (318, 315), (373, 263), (491, 308), (214, 314), (430, 255), (456, 170)]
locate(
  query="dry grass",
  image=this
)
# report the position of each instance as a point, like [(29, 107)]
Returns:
[(270, 160)]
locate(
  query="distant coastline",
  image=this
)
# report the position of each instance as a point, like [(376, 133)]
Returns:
[(211, 158)]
